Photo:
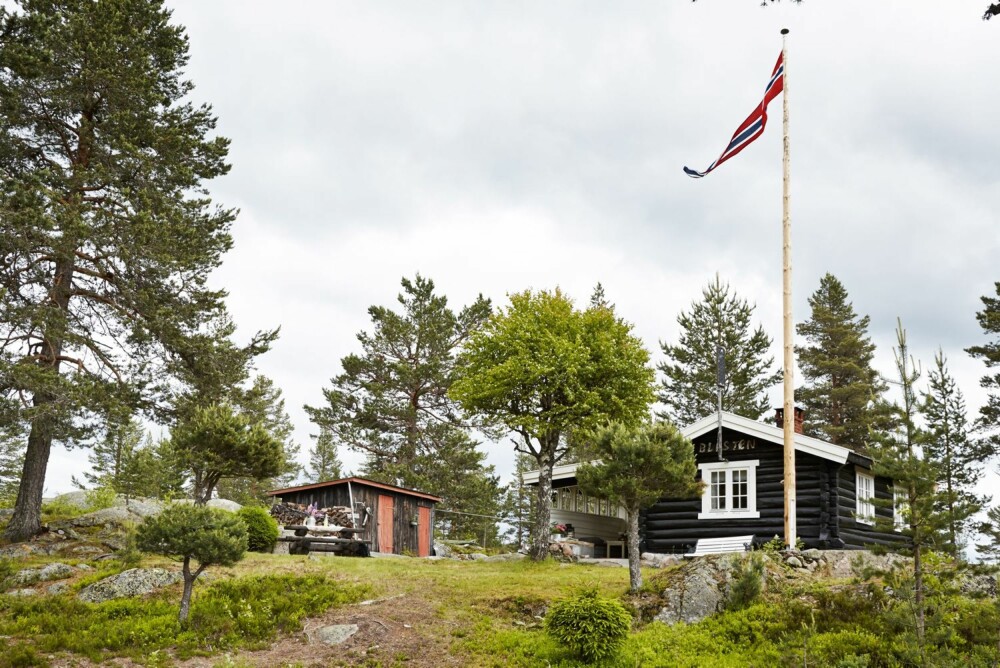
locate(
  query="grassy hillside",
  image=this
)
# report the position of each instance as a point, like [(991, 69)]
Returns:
[(410, 612)]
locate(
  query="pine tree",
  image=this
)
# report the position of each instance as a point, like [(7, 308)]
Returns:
[(988, 423), (323, 460), (262, 404), (688, 388), (842, 392), (990, 529), (635, 467), (958, 460), (914, 477), (107, 233), (391, 403), (11, 463), (110, 456), (518, 506)]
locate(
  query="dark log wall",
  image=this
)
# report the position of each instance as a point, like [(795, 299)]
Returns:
[(405, 536), (857, 534), (825, 509)]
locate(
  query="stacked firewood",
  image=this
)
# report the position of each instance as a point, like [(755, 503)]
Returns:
[(297, 513)]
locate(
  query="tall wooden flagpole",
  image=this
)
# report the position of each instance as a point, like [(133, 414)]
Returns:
[(789, 363)]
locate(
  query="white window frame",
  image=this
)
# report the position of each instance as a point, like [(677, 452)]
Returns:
[(750, 512), (899, 500), (864, 509)]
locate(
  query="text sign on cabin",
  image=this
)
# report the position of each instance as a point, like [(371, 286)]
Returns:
[(727, 446)]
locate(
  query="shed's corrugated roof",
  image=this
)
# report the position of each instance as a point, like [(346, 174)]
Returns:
[(362, 481)]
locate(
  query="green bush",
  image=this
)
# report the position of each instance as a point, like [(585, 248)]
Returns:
[(748, 579), (262, 529), (592, 627)]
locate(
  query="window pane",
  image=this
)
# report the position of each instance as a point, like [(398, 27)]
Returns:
[(718, 491), (740, 496)]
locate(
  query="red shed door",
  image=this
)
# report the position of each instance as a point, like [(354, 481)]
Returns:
[(424, 535), (384, 523)]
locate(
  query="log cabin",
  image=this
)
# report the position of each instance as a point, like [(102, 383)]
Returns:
[(743, 494)]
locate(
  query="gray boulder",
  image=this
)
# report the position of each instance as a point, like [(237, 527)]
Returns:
[(114, 516), (57, 588), (336, 634), (144, 507), (56, 571), (443, 550), (694, 596), (700, 588), (29, 576), (133, 582), (77, 499), (23, 593), (225, 504)]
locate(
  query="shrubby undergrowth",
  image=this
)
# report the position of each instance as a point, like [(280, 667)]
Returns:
[(242, 613)]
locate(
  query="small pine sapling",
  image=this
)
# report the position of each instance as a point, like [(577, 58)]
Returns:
[(209, 536)]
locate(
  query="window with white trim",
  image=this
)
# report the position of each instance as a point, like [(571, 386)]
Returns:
[(730, 490), (864, 493), (899, 503)]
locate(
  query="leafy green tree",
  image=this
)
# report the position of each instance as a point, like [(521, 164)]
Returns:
[(107, 235), (323, 459), (217, 443), (208, 536), (958, 460), (635, 467), (391, 403), (542, 369), (842, 392), (914, 477), (688, 389), (988, 422)]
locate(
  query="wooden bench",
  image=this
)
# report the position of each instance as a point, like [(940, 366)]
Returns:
[(721, 545)]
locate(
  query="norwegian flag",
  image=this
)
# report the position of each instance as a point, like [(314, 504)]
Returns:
[(753, 126)]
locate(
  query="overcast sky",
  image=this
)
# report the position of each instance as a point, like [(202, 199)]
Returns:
[(495, 147)]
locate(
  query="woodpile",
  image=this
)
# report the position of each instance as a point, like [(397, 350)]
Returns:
[(297, 513)]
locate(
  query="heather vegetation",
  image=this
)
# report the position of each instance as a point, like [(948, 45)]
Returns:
[(473, 613)]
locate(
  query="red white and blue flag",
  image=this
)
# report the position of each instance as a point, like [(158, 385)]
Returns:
[(753, 126)]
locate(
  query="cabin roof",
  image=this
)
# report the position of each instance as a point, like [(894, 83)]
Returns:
[(775, 434), (360, 481), (762, 430)]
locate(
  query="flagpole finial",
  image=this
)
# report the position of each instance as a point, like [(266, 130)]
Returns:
[(784, 31)]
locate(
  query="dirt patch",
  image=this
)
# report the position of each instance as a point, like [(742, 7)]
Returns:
[(390, 630)]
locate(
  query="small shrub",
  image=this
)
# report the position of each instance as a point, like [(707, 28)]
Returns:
[(748, 578), (130, 555), (101, 497), (262, 529), (21, 656), (592, 627)]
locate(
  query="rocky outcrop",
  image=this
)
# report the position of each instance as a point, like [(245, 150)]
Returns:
[(699, 588), (133, 582), (30, 576)]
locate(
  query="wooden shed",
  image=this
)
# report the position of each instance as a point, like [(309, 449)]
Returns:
[(396, 520)]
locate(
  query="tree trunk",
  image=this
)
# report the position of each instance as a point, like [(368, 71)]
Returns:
[(634, 572), (27, 518), (540, 530), (189, 579)]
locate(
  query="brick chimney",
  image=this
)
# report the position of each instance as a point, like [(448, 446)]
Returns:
[(779, 418)]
